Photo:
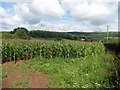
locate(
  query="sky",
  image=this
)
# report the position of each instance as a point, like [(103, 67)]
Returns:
[(59, 15)]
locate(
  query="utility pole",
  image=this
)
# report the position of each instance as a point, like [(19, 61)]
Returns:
[(107, 32)]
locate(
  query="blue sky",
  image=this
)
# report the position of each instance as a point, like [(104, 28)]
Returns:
[(59, 15)]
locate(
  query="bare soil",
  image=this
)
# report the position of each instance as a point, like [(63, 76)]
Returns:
[(15, 78)]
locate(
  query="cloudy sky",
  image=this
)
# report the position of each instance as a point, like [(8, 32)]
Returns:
[(59, 15)]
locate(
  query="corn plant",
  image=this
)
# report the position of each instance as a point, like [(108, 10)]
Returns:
[(25, 49)]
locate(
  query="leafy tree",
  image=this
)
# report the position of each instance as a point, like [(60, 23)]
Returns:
[(21, 33), (20, 28), (7, 35), (48, 34)]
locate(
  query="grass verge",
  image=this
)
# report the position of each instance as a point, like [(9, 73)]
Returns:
[(88, 72)]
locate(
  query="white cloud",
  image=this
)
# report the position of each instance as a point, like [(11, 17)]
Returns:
[(91, 0), (45, 8), (88, 10), (91, 15), (25, 14), (30, 13), (61, 0), (39, 9), (3, 12), (7, 21)]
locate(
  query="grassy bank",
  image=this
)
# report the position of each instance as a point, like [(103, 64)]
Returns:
[(88, 72)]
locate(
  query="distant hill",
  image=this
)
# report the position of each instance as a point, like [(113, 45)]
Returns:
[(50, 34), (23, 33), (95, 35)]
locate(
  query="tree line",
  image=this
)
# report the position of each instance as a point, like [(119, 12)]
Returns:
[(23, 33)]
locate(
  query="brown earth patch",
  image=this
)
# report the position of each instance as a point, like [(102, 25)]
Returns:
[(15, 78), (38, 80)]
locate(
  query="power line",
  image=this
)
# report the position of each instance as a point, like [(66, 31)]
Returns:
[(107, 32)]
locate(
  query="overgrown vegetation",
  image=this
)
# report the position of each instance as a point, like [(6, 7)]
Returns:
[(113, 47), (17, 33), (87, 72)]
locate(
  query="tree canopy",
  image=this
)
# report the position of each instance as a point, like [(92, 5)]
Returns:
[(21, 33)]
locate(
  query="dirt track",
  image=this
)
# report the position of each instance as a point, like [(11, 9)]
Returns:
[(15, 78)]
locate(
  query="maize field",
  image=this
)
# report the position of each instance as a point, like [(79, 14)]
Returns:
[(13, 50)]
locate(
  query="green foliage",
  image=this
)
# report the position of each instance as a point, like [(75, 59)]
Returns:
[(48, 34), (20, 33), (113, 40), (22, 83), (87, 72), (92, 36), (7, 35), (23, 49), (69, 63), (20, 28), (95, 36), (17, 33)]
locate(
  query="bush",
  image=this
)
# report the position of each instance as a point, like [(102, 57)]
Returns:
[(21, 33), (7, 35)]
